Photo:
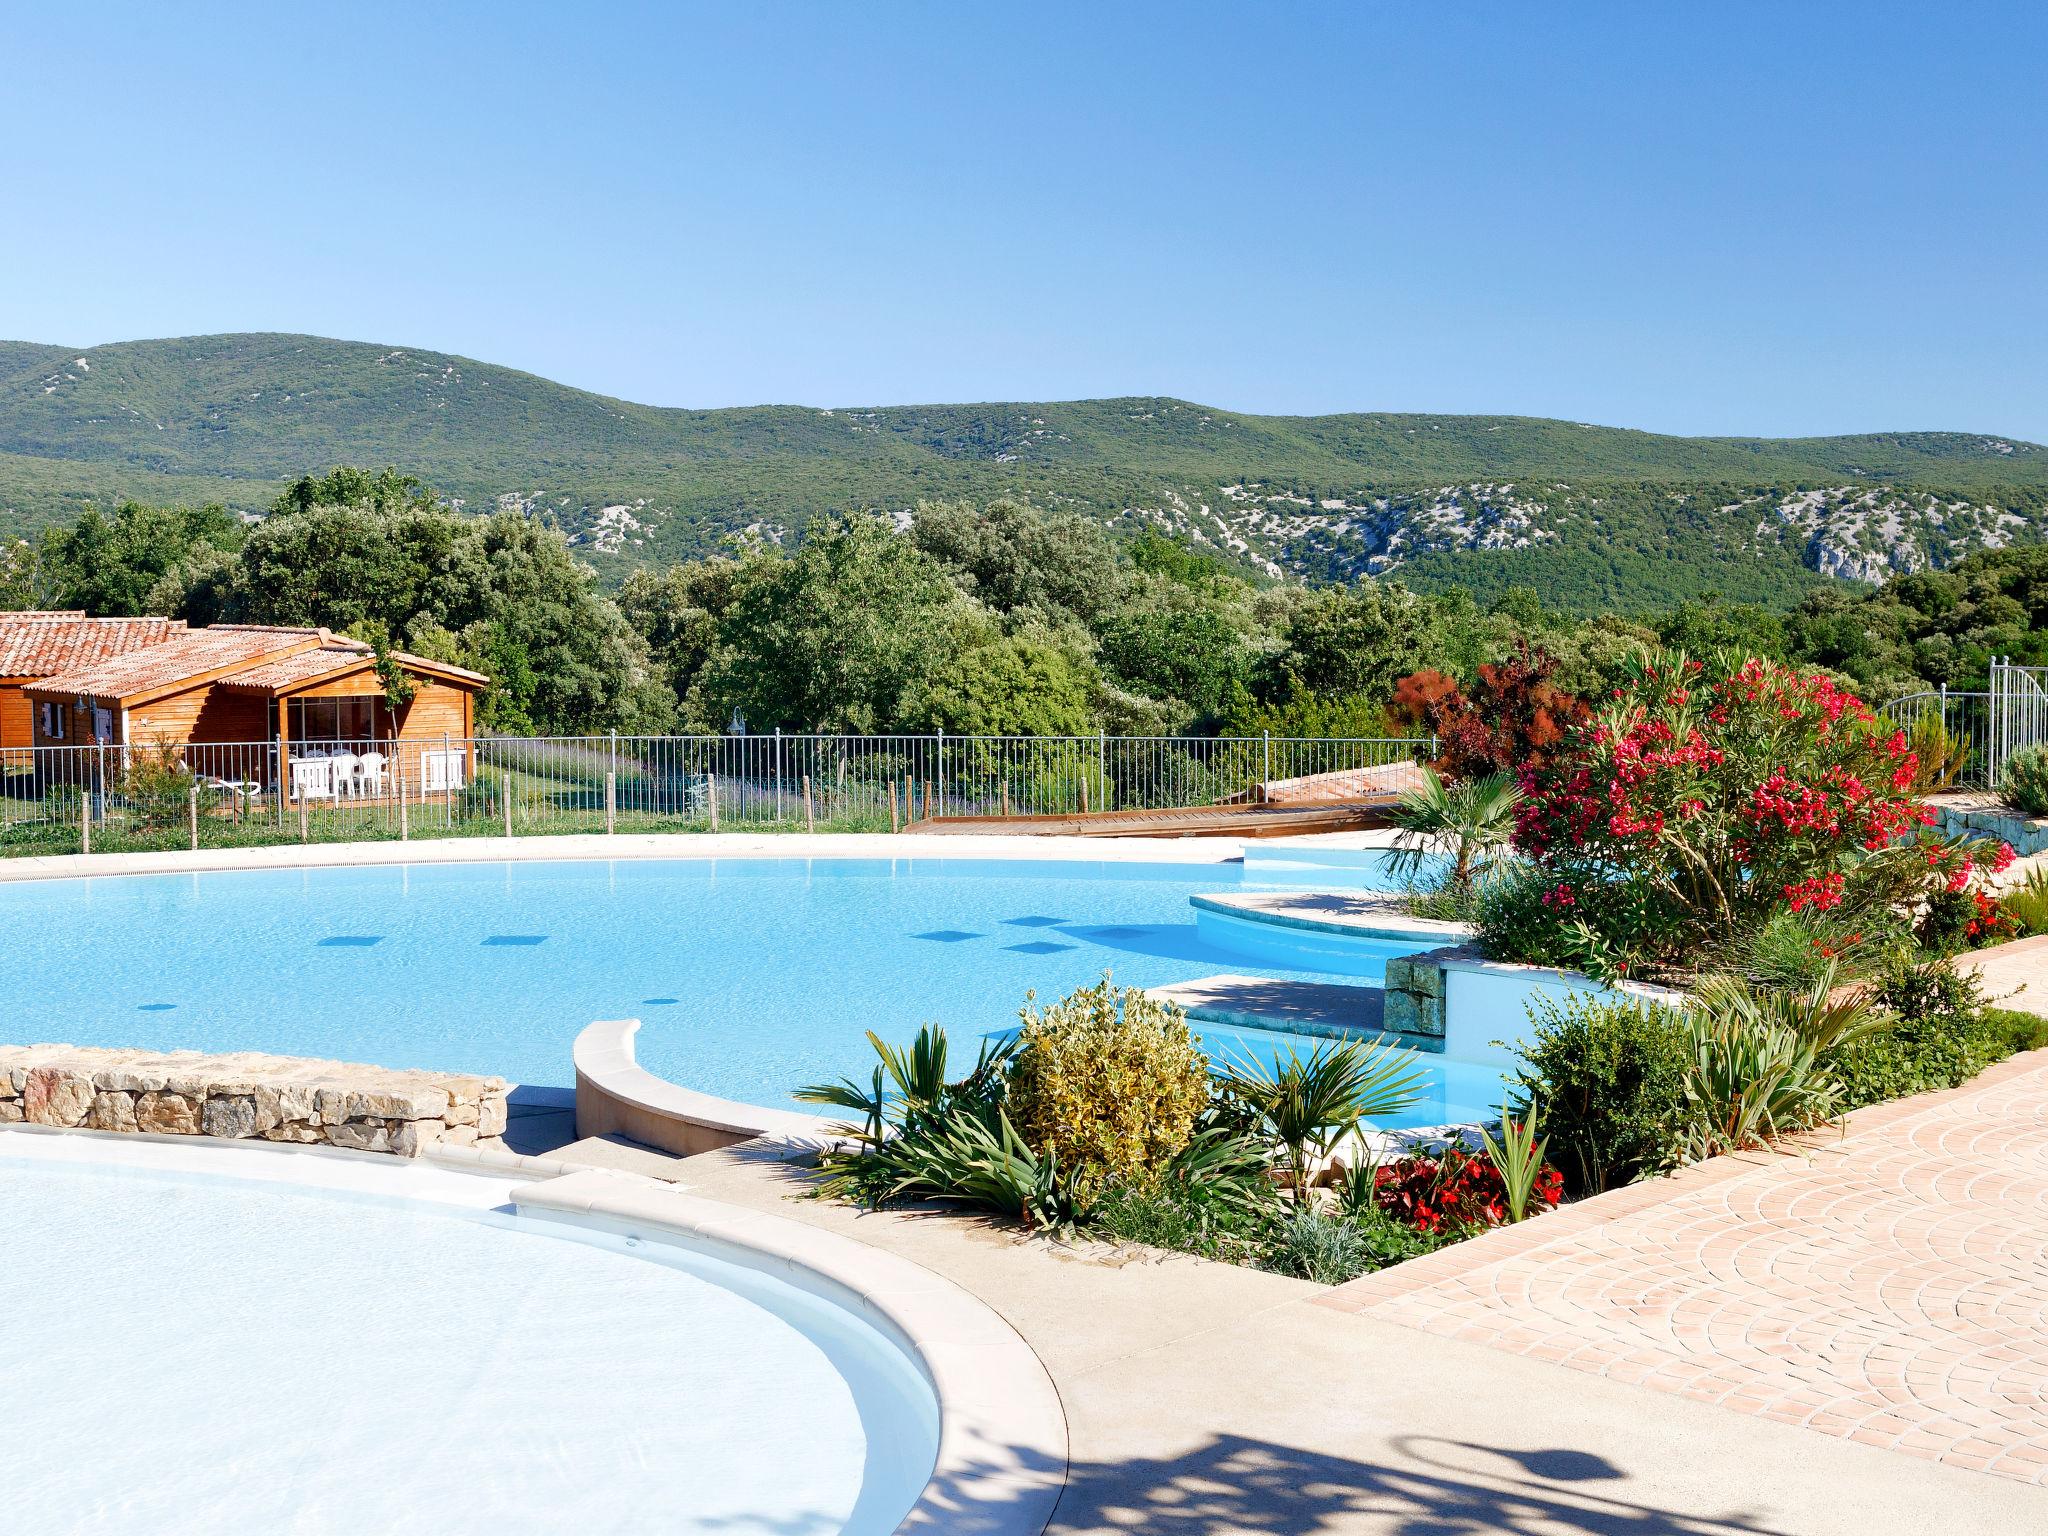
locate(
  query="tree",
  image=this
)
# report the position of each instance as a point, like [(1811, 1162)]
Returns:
[(1033, 683), (502, 594), (1352, 641), (1014, 556), (130, 564), (831, 637)]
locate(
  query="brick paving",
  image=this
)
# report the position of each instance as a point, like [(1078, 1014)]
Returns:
[(1887, 1286)]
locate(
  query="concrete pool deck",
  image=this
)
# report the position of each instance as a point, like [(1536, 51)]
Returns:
[(666, 845), (1206, 1399)]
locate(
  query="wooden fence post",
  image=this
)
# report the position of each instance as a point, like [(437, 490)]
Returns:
[(505, 797), (193, 812), (895, 824), (611, 803), (810, 821), (711, 781), (1006, 797), (404, 822), (85, 822), (1084, 797), (305, 820), (928, 786)]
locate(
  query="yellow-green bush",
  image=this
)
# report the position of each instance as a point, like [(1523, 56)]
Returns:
[(1108, 1081)]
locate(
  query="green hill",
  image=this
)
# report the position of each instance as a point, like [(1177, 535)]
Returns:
[(1591, 516)]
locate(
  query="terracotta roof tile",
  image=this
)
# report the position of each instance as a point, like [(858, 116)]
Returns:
[(184, 656), (288, 671), (45, 644)]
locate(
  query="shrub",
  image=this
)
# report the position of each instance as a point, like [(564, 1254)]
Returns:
[(157, 785), (1939, 754), (1607, 1081), (2027, 903), (1941, 1035), (1750, 1082), (1109, 1081), (1701, 803), (1319, 1246), (1512, 716), (2023, 781), (1796, 950)]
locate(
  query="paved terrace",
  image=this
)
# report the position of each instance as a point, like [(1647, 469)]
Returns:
[(1887, 1288), (1203, 1399)]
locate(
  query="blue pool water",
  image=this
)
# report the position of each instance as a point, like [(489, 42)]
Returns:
[(752, 976)]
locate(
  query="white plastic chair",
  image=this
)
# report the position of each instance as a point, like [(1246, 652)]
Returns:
[(345, 764), (370, 773), (312, 778)]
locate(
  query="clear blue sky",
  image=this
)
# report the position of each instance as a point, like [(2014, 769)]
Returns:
[(1771, 218)]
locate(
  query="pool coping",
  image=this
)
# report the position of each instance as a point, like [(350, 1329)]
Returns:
[(1002, 1454), (600, 847), (1388, 921), (615, 1095)]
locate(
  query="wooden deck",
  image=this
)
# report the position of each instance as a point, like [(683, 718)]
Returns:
[(1186, 821)]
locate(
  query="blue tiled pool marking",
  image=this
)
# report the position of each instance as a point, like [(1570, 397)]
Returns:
[(756, 976)]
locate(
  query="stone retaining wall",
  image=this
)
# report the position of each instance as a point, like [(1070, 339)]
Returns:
[(250, 1096)]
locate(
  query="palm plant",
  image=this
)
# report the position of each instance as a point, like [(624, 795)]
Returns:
[(1517, 1157), (1467, 821), (909, 1087), (1757, 1069), (1306, 1107)]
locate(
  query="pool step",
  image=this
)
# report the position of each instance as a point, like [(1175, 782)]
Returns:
[(1342, 933), (1322, 1008), (1288, 861)]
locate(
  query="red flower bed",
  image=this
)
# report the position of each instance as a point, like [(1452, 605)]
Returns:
[(1454, 1189)]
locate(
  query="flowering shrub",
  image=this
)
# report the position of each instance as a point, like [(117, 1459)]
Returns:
[(1513, 716), (1700, 802), (1454, 1189)]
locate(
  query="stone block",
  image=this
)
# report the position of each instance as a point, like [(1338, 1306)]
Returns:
[(414, 1136), (111, 1112), (396, 1103), (56, 1096), (167, 1114), (228, 1114), (490, 1116), (10, 1111), (136, 1078), (360, 1136)]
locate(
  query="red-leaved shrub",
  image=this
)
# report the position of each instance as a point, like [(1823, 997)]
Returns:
[(1512, 716)]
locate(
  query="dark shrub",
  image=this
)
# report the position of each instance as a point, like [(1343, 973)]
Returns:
[(1608, 1081), (1944, 1035)]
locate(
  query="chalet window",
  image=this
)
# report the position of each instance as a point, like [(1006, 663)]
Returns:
[(53, 721)]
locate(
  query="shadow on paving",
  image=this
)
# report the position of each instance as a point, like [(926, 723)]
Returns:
[(1441, 1488)]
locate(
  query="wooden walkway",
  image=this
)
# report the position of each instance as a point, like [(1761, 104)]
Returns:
[(1185, 821)]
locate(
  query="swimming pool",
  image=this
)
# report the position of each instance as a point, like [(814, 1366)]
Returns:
[(753, 976), (200, 1353)]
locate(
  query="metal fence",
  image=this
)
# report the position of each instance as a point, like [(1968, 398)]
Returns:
[(1965, 717), (2009, 716), (2018, 711), (223, 794)]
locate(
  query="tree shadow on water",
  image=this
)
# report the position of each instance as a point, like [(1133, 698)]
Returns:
[(1237, 1486)]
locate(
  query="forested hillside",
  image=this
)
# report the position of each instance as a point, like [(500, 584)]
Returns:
[(1597, 517)]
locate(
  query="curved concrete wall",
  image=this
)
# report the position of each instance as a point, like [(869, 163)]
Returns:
[(616, 1096)]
